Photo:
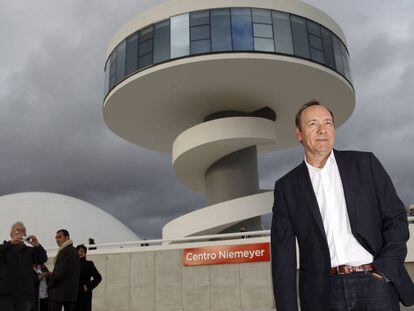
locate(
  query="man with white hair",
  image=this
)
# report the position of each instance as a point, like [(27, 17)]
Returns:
[(16, 269)]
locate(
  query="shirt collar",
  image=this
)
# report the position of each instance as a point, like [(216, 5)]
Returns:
[(331, 160)]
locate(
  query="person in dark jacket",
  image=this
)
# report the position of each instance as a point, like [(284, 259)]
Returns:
[(16, 275), (89, 278), (63, 281)]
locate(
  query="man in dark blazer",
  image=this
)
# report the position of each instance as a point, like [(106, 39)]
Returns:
[(89, 278), (64, 280), (350, 226)]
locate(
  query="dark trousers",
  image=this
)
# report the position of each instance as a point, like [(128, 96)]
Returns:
[(44, 304), (57, 306), (84, 304), (362, 292), (16, 305)]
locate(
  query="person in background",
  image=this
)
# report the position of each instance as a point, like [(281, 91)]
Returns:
[(64, 280), (42, 273), (89, 278), (17, 288)]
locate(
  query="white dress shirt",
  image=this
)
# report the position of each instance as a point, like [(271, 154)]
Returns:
[(343, 247)]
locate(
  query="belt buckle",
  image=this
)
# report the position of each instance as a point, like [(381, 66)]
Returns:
[(338, 270)]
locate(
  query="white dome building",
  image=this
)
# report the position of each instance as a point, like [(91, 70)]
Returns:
[(44, 213)]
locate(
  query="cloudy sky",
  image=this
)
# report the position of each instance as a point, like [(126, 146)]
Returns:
[(53, 137)]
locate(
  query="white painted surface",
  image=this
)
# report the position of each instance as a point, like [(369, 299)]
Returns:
[(44, 213), (152, 107), (196, 149), (215, 218)]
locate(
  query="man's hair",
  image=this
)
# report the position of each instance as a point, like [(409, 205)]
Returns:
[(64, 232), (81, 246), (16, 224), (310, 103)]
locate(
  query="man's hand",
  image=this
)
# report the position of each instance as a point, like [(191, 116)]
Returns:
[(85, 288), (34, 241)]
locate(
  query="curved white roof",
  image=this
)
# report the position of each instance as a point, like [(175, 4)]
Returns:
[(44, 213)]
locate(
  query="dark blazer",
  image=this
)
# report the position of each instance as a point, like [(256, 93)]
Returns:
[(90, 277), (16, 269), (64, 280), (378, 221)]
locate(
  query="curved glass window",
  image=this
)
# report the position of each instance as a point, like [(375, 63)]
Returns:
[(220, 30), (241, 29), (226, 30), (180, 36)]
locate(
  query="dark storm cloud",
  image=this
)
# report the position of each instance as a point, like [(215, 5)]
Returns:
[(53, 136)]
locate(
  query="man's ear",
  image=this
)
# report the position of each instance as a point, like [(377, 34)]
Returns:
[(298, 134)]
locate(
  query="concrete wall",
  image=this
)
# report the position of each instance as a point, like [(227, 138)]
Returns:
[(157, 280)]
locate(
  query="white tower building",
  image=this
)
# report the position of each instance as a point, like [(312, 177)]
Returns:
[(214, 82)]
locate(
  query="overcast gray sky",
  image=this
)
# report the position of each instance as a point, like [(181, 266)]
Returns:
[(53, 137)]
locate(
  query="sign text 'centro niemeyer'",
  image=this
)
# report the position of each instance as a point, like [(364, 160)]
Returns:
[(217, 255)]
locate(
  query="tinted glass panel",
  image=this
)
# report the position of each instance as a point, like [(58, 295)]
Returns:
[(328, 48), (282, 32), (200, 32), (300, 36), (220, 30), (201, 46), (112, 82), (317, 56), (261, 16), (106, 85), (262, 30), (131, 54), (345, 61), (162, 41), (241, 22), (314, 28), (180, 36), (262, 44), (120, 61), (199, 18), (315, 42), (338, 55), (145, 61), (146, 34), (112, 67), (145, 47)]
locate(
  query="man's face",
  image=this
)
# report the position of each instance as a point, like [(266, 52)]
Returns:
[(60, 238), (18, 229), (317, 132), (81, 253)]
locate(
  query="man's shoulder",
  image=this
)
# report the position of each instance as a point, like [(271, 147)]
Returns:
[(352, 154), (69, 250), (291, 175)]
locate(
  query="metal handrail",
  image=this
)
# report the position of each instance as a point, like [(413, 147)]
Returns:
[(250, 234)]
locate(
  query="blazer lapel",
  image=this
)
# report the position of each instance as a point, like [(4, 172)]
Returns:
[(310, 198), (346, 178)]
